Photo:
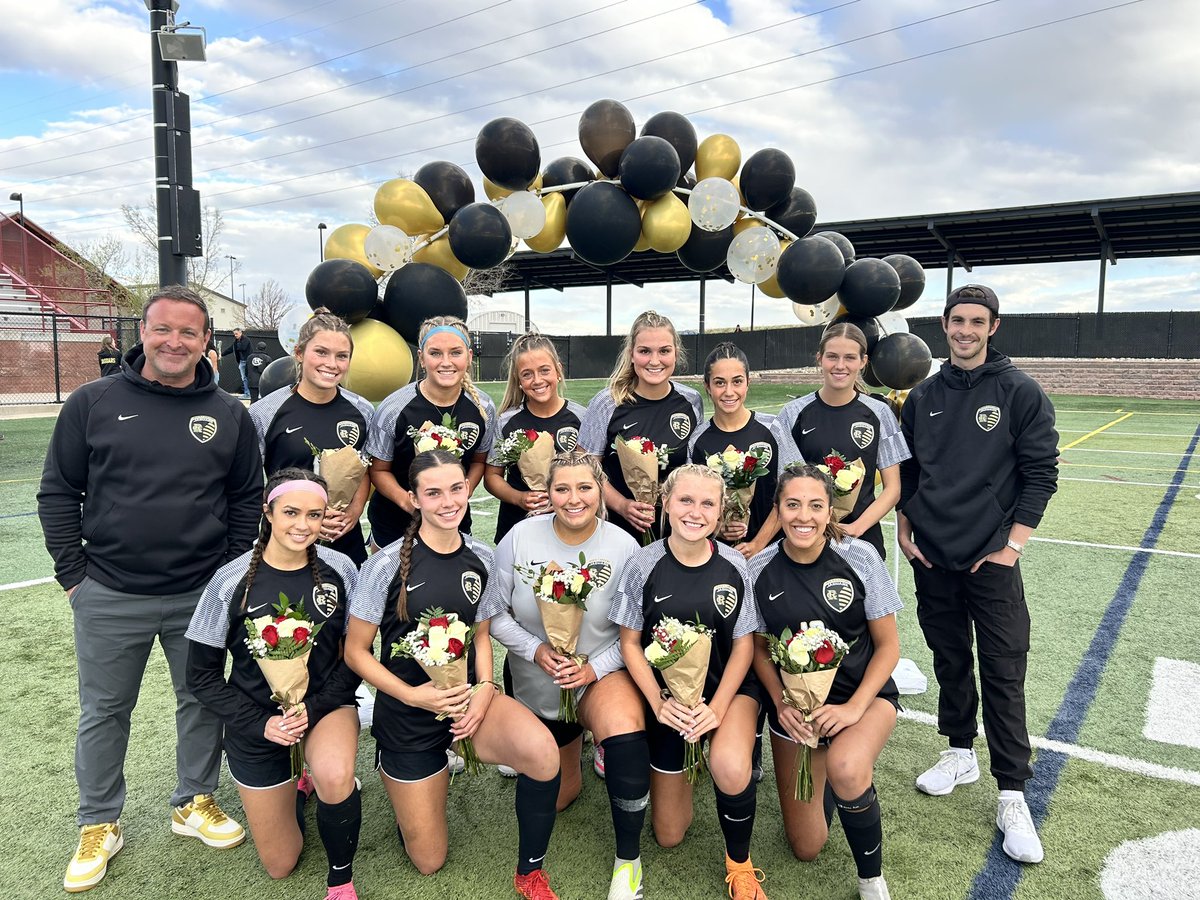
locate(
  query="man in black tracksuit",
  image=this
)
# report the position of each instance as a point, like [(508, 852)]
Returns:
[(240, 348), (152, 481), (984, 464)]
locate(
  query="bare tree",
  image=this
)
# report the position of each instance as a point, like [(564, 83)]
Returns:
[(207, 270), (267, 306), (104, 260)]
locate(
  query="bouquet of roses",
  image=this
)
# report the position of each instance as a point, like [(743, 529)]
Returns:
[(343, 470), (680, 650), (530, 451), (739, 471), (641, 462), (561, 592), (439, 645), (847, 479), (280, 644), (437, 437), (808, 662)]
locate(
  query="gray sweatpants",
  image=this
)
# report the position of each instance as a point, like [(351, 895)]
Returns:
[(114, 633)]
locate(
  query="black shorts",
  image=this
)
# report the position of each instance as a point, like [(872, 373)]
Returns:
[(408, 766), (259, 768), (667, 745), (564, 732)]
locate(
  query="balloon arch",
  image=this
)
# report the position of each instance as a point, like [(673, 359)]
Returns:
[(662, 191)]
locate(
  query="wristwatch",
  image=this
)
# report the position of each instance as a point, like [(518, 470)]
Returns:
[(1013, 545)]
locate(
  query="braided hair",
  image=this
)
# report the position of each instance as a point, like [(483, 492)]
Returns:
[(264, 528), (833, 531)]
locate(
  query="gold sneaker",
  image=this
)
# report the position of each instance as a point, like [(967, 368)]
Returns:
[(203, 819), (97, 845)]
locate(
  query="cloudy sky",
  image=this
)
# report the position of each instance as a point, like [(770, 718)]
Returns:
[(887, 107)]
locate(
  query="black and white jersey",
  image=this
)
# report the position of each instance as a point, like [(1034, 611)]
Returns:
[(388, 440), (809, 429), (287, 423), (669, 421), (563, 426), (516, 615), (844, 588), (453, 582), (755, 434), (720, 592), (219, 622)]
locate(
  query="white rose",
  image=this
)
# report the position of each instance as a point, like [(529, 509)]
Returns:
[(846, 479), (797, 653), (655, 652), (547, 588), (577, 584), (732, 458), (439, 638), (426, 443), (286, 627), (714, 461), (458, 630), (438, 656), (262, 622)]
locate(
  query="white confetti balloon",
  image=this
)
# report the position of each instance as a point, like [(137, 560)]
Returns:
[(525, 212), (288, 329), (714, 204), (754, 255), (893, 322), (811, 313), (387, 247)]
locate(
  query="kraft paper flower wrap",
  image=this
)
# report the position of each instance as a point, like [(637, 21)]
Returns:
[(531, 452), (739, 470), (641, 462), (847, 478), (343, 470), (680, 651)]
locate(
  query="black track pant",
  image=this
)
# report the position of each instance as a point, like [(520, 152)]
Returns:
[(992, 601)]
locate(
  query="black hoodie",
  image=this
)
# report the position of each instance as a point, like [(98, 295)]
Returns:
[(984, 455), (163, 484)]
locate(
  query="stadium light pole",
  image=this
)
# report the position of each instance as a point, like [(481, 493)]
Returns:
[(321, 226), (20, 198), (231, 283)]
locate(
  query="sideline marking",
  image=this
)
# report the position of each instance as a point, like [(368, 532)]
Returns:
[(1088, 544), (1131, 452), (1171, 710), (19, 480), (25, 584), (1110, 466), (1159, 434), (1157, 484), (1091, 434)]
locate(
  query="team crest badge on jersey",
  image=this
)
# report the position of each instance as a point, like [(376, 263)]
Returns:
[(725, 599), (838, 594), (566, 438), (601, 570), (764, 448), (472, 586), (469, 432), (326, 599), (203, 428), (862, 433), (348, 432), (987, 417), (681, 425)]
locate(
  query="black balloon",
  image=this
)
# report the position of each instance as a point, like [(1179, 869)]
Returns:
[(603, 224), (567, 170), (810, 270), (869, 326), (901, 361), (912, 279), (797, 213), (678, 131), (869, 377), (767, 179), (842, 242), (870, 288), (649, 168), (345, 287), (480, 236), (447, 185), (605, 129), (420, 291), (279, 373), (507, 153), (705, 251)]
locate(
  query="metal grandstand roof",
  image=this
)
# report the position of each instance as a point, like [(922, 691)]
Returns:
[(1122, 228)]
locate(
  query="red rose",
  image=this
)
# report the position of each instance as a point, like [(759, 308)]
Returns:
[(424, 642), (835, 463), (300, 636), (587, 576), (454, 647), (279, 619), (749, 464), (824, 654), (647, 446), (558, 590), (444, 621), (531, 434), (270, 634)]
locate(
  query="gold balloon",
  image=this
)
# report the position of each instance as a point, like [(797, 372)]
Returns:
[(552, 235), (405, 204), (718, 156), (743, 223), (439, 254), (770, 287), (346, 242), (382, 362), (495, 192), (643, 243), (666, 223)]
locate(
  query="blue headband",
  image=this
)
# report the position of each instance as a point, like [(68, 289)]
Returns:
[(444, 329)]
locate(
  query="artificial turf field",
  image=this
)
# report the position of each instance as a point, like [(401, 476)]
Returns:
[(1114, 707)]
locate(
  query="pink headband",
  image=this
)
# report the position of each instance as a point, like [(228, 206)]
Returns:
[(300, 484)]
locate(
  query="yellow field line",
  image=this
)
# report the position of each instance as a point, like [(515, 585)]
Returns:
[(1092, 434), (19, 480)]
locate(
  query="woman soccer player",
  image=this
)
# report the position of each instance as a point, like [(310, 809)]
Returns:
[(641, 400), (841, 417), (818, 572), (435, 565), (446, 390), (318, 412), (686, 576), (609, 704), (532, 401), (108, 356), (258, 737)]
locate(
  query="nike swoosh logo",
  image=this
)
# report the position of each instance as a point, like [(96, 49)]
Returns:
[(869, 852), (773, 597), (627, 427), (938, 413), (347, 865), (127, 418), (538, 860), (742, 819), (658, 599), (808, 430), (290, 430), (255, 609), (413, 587)]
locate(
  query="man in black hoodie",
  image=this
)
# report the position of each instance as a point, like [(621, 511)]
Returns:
[(240, 348), (984, 464), (152, 480)]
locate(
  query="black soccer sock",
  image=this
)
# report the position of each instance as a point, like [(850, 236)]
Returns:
[(301, 797), (338, 824), (736, 815), (830, 804), (536, 801), (400, 834), (627, 777), (864, 831)]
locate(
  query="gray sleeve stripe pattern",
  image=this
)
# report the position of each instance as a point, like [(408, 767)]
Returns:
[(703, 427), (489, 426), (483, 551), (882, 597), (381, 436), (748, 620), (362, 404), (574, 407), (370, 594), (782, 427), (693, 397), (210, 621), (626, 609), (501, 424), (593, 425), (262, 414), (343, 565), (892, 448), (759, 561)]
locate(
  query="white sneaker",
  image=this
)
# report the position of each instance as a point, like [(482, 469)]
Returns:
[(626, 881), (873, 889), (507, 771), (1021, 840), (454, 762), (954, 767), (598, 760)]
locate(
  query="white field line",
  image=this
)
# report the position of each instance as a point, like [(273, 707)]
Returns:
[(1158, 434), (1132, 452), (1101, 412), (24, 584), (1044, 540), (1088, 754), (1157, 484)]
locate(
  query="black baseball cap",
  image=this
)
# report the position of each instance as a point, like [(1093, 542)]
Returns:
[(972, 293)]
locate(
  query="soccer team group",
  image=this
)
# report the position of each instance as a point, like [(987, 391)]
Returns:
[(154, 509)]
